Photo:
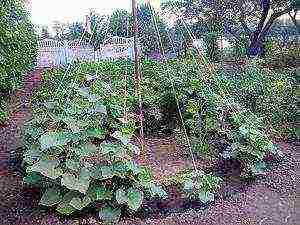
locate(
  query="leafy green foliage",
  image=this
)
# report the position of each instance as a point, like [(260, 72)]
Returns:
[(198, 185), (51, 197), (3, 111), (132, 197), (211, 110), (270, 94), (109, 214), (18, 45), (78, 143), (79, 140)]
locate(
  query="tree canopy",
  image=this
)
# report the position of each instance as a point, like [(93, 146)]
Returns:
[(248, 22)]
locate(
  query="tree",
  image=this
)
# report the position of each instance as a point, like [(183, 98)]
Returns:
[(120, 23), (152, 30), (267, 12), (18, 45), (100, 28), (195, 22), (248, 21), (61, 30), (76, 30), (45, 33)]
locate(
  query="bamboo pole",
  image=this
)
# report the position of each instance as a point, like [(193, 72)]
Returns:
[(136, 44), (138, 77)]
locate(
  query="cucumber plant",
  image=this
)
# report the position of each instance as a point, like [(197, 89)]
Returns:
[(79, 150)]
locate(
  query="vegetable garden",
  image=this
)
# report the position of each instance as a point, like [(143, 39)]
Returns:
[(85, 147)]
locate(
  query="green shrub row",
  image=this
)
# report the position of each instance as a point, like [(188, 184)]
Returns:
[(79, 150), (80, 142), (18, 48)]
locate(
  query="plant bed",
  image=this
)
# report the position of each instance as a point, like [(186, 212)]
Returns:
[(151, 209), (91, 128)]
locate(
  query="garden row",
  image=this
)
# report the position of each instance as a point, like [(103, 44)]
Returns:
[(79, 144), (18, 49)]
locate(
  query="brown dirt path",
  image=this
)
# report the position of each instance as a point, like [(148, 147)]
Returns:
[(10, 135), (166, 157), (11, 198)]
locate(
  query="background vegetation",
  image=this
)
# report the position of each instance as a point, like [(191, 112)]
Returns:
[(18, 47)]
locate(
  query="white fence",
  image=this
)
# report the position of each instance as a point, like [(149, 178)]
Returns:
[(52, 53)]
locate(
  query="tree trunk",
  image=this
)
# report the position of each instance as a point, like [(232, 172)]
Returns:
[(257, 38), (256, 45)]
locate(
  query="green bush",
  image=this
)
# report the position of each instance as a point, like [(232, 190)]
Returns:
[(225, 107), (79, 150), (271, 94), (197, 185), (3, 111), (279, 56), (207, 108), (79, 133), (78, 143), (18, 46)]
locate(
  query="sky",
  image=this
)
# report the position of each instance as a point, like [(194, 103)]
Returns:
[(44, 12)]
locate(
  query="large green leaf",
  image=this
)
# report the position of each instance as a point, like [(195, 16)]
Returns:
[(259, 168), (273, 148), (48, 168), (96, 172), (73, 124), (98, 108), (73, 164), (109, 214), (85, 150), (205, 196), (86, 93), (96, 132), (121, 196), (51, 197), (120, 168), (97, 192), (125, 139), (135, 198), (54, 139), (157, 190), (188, 185), (131, 165), (33, 178), (254, 152), (64, 206), (145, 176), (80, 203), (107, 172), (133, 148), (80, 183), (34, 131), (208, 182), (107, 147), (32, 153)]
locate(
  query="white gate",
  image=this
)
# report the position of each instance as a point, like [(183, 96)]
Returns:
[(52, 53)]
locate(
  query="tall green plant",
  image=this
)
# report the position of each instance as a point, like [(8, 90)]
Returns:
[(79, 150), (18, 46)]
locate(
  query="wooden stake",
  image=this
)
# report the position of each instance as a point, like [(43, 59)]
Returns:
[(138, 76)]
